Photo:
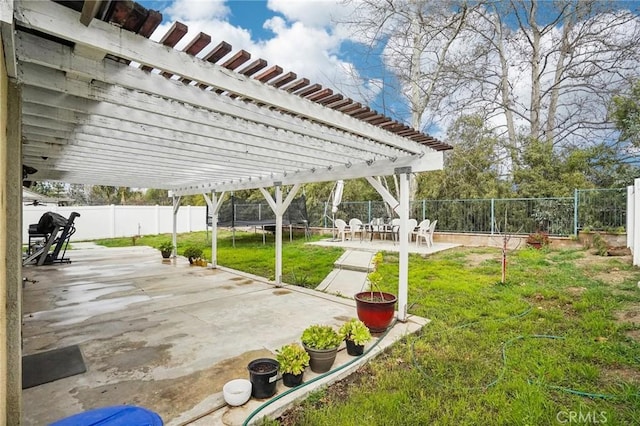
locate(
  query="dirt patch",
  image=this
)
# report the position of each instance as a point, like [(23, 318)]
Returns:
[(244, 281), (170, 397), (622, 374), (474, 260), (631, 315), (634, 334), (576, 291), (281, 292)]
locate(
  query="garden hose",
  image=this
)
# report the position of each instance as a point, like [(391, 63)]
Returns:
[(315, 379), (503, 369)]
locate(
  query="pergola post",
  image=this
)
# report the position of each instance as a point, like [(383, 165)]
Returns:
[(279, 207), (403, 262), (214, 204), (174, 239), (402, 209)]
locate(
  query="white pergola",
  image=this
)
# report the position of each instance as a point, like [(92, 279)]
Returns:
[(100, 103)]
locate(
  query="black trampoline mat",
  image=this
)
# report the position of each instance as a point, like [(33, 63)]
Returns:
[(45, 367)]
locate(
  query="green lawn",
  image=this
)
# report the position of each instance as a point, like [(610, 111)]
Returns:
[(558, 344), (546, 348), (302, 264)]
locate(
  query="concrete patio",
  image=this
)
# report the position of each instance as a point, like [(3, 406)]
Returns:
[(167, 336)]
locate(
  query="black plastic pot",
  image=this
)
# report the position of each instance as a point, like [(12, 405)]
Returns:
[(353, 349), (263, 373), (292, 380)]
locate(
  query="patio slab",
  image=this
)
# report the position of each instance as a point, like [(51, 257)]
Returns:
[(165, 335)]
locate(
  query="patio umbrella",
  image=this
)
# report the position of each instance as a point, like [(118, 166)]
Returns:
[(335, 202)]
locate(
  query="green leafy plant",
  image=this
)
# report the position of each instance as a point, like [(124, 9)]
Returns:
[(600, 244), (355, 330), (375, 279), (166, 246), (320, 337), (193, 252), (292, 358)]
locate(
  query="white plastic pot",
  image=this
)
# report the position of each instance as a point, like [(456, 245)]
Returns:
[(237, 392)]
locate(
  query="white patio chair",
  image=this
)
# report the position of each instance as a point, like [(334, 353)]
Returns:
[(412, 225), (432, 228), (423, 232), (394, 228), (356, 227), (377, 226), (341, 226)]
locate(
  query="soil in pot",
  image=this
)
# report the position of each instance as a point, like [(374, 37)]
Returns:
[(292, 380), (353, 349), (375, 309), (263, 373)]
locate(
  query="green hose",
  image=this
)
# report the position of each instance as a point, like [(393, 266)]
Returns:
[(315, 379)]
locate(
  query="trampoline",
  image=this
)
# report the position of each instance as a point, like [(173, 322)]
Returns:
[(238, 213)]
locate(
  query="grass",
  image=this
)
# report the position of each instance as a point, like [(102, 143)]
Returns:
[(530, 352), (552, 344), (302, 264)]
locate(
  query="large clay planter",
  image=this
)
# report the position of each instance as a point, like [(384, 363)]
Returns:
[(377, 312), (321, 360)]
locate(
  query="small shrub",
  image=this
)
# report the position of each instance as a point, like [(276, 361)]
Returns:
[(166, 246), (193, 252), (321, 337), (600, 245)]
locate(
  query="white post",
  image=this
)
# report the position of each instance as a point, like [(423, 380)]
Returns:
[(279, 213), (403, 264), (636, 229), (214, 229), (174, 239), (630, 216)]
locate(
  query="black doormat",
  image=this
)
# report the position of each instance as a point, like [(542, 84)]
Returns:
[(52, 365)]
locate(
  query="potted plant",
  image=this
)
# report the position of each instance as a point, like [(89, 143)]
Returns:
[(166, 248), (292, 359), (375, 308), (538, 239), (321, 343), (355, 334), (263, 373), (193, 254)]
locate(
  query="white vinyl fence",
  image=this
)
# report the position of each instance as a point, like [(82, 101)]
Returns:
[(633, 220), (120, 221)]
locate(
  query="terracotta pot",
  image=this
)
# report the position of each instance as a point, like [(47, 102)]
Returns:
[(377, 312)]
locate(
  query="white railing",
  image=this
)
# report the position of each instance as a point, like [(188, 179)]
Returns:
[(120, 221)]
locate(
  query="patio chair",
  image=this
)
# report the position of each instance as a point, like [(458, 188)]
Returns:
[(341, 226), (356, 226), (423, 232), (413, 224), (394, 228), (432, 228)]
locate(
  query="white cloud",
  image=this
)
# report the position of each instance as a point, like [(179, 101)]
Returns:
[(311, 13), (196, 10), (303, 41)]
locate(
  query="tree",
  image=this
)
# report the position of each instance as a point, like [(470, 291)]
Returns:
[(472, 169), (625, 113), (536, 72)]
